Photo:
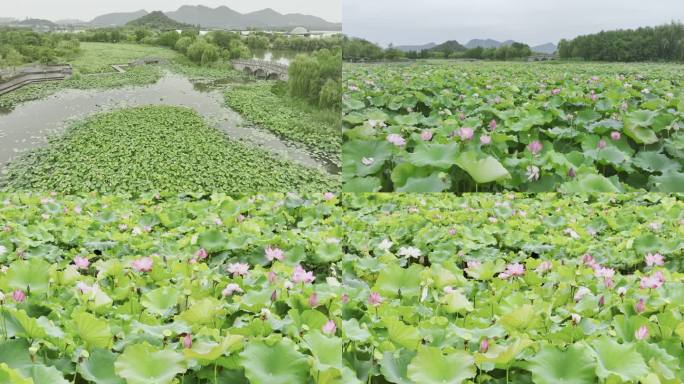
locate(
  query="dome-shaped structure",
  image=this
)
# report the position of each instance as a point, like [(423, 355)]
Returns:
[(299, 31)]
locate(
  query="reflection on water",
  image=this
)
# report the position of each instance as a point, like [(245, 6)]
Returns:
[(30, 123), (281, 57)]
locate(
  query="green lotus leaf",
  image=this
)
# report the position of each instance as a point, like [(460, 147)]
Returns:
[(201, 312), (441, 156), (396, 281), (503, 355), (99, 368), (456, 302), (402, 334), (670, 181), (160, 301), (213, 240), (95, 332), (394, 366), (575, 365), (362, 184), (432, 183), (326, 350), (42, 374), (19, 323), (659, 360), (616, 359), (431, 366), (147, 364), (590, 184), (482, 170), (636, 126), (11, 376), (32, 275), (279, 363), (375, 153), (208, 351), (655, 162)]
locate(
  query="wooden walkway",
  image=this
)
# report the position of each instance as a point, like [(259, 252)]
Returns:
[(35, 75)]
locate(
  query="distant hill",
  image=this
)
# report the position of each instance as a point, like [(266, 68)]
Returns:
[(488, 43), (450, 45), (37, 23), (117, 19), (7, 20), (549, 48), (158, 20), (70, 22), (417, 48), (224, 17)]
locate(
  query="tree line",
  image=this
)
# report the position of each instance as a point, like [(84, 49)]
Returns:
[(660, 43), (355, 49), (19, 46)]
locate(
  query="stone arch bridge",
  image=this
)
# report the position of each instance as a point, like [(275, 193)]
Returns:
[(260, 68)]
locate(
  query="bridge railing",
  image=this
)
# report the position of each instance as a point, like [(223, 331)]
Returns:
[(262, 64)]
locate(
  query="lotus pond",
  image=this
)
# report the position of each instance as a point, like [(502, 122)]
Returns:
[(358, 288), (466, 127)]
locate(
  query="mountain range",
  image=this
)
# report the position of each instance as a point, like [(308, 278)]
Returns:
[(220, 17), (474, 43)]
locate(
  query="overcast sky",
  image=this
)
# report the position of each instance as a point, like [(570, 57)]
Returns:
[(330, 10), (530, 21)]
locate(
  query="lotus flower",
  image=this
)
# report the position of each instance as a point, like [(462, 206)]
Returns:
[(640, 306), (300, 275), (81, 262), (615, 135), (652, 282), (654, 259), (641, 333), (385, 245), (374, 299), (230, 289), (272, 277), (512, 270), (238, 269), (274, 253), (329, 328), (601, 144), (345, 298), (202, 254), (465, 133), (410, 252), (396, 140), (535, 147), (485, 140), (426, 135), (576, 318), (544, 266), (622, 291), (187, 341), (143, 264), (19, 296), (484, 345), (581, 292), (572, 173), (313, 300), (555, 91), (492, 125), (328, 196)]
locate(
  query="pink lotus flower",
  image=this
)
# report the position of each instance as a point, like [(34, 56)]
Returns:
[(465, 133), (238, 269), (374, 299), (426, 135), (654, 259), (300, 275), (81, 262), (608, 283), (396, 139), (640, 306), (641, 333), (652, 282), (492, 124), (272, 277), (513, 270), (601, 144), (535, 147), (581, 292), (313, 300), (19, 296), (328, 196), (274, 253), (202, 254), (484, 345), (544, 266), (485, 140), (187, 341), (345, 298), (604, 272), (230, 289), (615, 135), (329, 328), (593, 96), (452, 231), (143, 264), (472, 264), (555, 91)]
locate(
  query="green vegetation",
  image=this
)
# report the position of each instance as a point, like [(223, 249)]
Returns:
[(98, 57), (155, 148), (661, 43), (362, 288), (21, 46), (433, 127), (134, 77), (318, 130), (157, 20), (317, 78)]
